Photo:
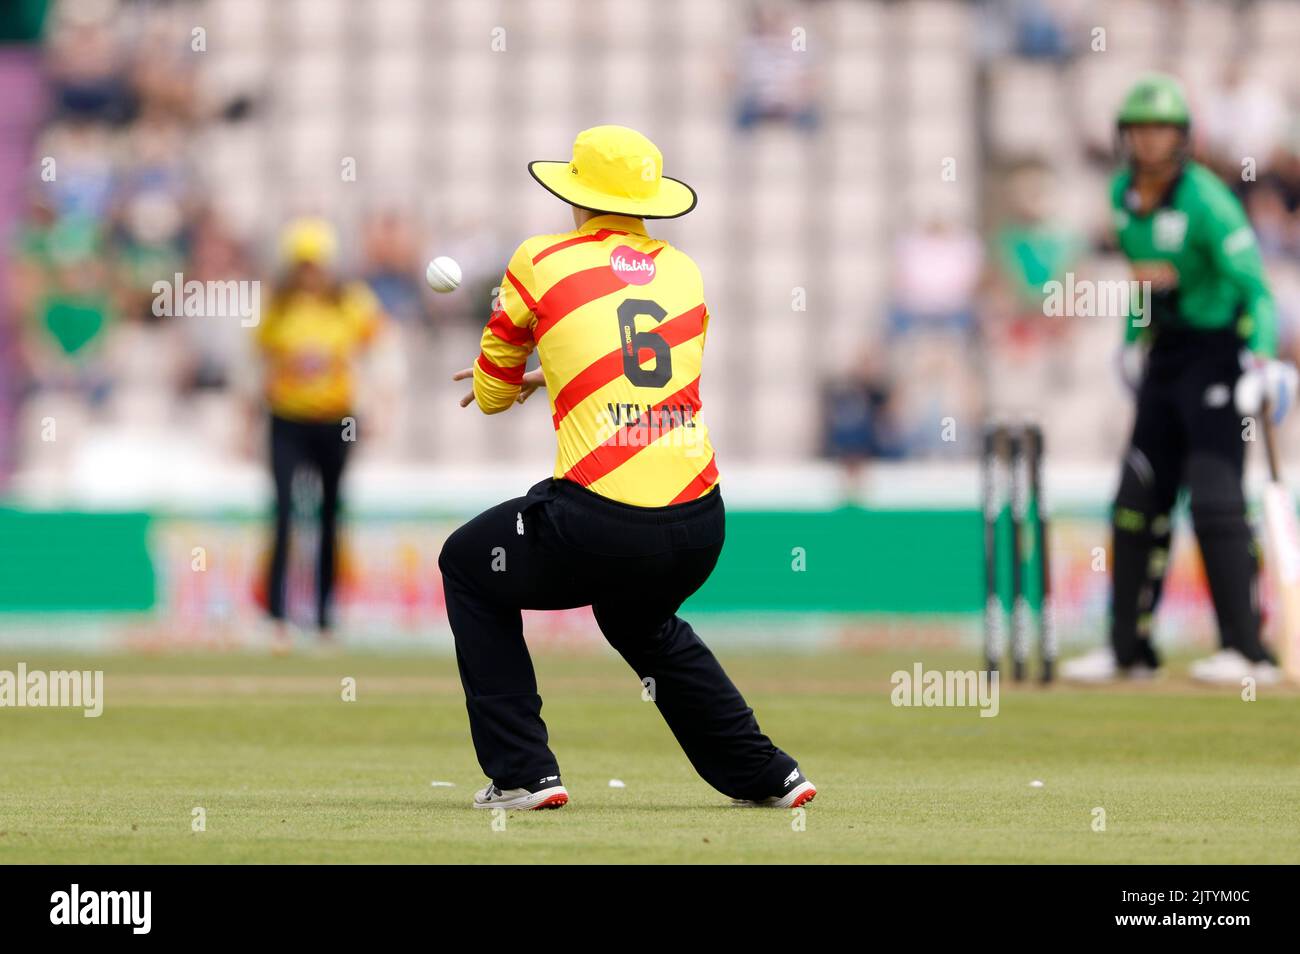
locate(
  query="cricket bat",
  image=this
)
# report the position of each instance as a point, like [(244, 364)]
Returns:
[(1282, 558)]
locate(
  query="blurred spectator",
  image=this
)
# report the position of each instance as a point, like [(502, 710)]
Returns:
[(32, 250), (390, 265), (935, 389), (1286, 293), (1241, 118), (83, 174), (87, 66), (1275, 225), (156, 160), (161, 72), (937, 269), (152, 203), (1032, 29), (1030, 249), (858, 423), (936, 273), (479, 250), (69, 305), (775, 81), (1283, 177), (1040, 29), (217, 349)]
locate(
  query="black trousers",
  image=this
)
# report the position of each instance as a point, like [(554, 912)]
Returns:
[(562, 546), (1187, 433), (319, 446)]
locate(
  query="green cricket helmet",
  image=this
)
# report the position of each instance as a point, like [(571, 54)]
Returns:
[(1155, 98)]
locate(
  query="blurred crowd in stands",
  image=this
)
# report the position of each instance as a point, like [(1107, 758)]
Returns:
[(101, 201), (977, 287), (109, 89)]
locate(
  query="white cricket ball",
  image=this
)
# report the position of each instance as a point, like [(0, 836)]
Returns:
[(442, 274), (1036, 783)]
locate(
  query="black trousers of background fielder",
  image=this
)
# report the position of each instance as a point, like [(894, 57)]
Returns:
[(320, 447), (1187, 433), (562, 546)]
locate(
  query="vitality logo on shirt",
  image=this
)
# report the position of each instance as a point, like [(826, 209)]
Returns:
[(631, 266)]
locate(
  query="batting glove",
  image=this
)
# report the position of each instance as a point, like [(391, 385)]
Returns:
[(1266, 381)]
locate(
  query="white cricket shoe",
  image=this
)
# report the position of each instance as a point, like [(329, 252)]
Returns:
[(1099, 666), (1228, 667), (548, 792), (796, 791)]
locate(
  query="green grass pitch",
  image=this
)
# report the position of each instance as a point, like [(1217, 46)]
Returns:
[(286, 771)]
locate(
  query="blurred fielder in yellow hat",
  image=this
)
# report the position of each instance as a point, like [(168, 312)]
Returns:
[(309, 241), (314, 330)]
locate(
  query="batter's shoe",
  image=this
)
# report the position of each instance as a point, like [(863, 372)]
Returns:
[(546, 792), (795, 791), (1099, 666), (1228, 667)]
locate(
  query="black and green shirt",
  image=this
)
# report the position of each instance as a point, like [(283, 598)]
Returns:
[(1200, 228)]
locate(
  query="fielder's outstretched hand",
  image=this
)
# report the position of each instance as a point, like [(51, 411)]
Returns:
[(462, 375), (532, 380)]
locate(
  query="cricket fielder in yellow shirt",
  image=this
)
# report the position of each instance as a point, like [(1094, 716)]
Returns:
[(631, 523), (314, 330)]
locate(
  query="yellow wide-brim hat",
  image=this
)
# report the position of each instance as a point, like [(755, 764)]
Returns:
[(309, 240), (616, 169)]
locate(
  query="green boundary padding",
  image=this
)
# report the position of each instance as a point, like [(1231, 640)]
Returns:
[(855, 561), (75, 562), (839, 561)]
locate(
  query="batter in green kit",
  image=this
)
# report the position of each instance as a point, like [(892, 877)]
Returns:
[(1199, 251), (1199, 356)]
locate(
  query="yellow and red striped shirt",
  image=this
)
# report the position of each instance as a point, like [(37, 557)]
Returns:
[(619, 322), (311, 345)]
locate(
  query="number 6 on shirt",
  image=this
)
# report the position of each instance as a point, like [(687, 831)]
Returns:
[(633, 341)]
